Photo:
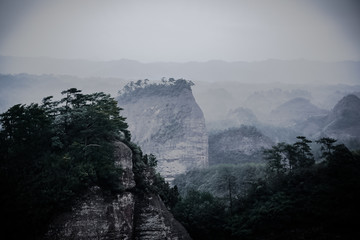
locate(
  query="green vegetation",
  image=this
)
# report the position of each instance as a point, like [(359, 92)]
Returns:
[(147, 180), (286, 157), (142, 88), (51, 153), (293, 198), (220, 180), (232, 146)]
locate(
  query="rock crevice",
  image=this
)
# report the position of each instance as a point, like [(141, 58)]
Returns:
[(128, 215)]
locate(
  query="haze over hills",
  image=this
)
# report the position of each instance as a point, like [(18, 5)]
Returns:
[(245, 153), (342, 122), (221, 88), (293, 111), (292, 71), (237, 146), (219, 100), (27, 88)]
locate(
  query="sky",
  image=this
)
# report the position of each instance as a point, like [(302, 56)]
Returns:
[(181, 30)]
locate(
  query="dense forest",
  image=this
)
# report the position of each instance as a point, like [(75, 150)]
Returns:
[(292, 197), (51, 153)]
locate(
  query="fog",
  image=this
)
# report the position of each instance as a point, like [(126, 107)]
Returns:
[(181, 30), (232, 50), (266, 81)]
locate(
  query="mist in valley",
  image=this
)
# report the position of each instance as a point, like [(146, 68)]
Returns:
[(252, 109)]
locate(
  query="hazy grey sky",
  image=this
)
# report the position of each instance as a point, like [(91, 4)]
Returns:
[(181, 30)]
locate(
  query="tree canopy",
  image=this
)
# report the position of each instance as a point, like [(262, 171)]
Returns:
[(142, 88), (295, 198), (51, 152)]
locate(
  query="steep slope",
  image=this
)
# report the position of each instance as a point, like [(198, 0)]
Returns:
[(345, 113), (342, 123), (293, 111), (165, 120), (237, 145), (127, 215), (344, 120)]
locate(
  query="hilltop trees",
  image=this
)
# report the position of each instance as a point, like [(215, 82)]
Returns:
[(285, 157), (143, 88), (51, 152)]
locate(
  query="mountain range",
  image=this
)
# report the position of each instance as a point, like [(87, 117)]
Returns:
[(342, 122), (290, 71)]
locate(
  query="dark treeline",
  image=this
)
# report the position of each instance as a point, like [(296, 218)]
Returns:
[(294, 198), (52, 153), (142, 88)]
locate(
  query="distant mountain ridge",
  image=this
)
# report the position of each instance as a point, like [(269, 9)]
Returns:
[(345, 116), (295, 110), (292, 71), (342, 123), (237, 145)]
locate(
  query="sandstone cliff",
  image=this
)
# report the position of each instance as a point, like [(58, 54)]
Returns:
[(164, 119), (127, 215)]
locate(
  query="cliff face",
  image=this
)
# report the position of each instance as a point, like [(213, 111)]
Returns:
[(129, 215), (171, 126)]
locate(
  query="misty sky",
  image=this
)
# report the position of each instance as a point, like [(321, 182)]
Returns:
[(181, 30)]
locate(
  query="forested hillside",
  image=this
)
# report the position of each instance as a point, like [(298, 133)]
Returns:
[(292, 197), (53, 153)]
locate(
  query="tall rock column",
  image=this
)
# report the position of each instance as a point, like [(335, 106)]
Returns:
[(165, 120)]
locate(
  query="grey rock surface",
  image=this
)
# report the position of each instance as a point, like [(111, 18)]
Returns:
[(123, 156), (96, 216), (170, 126), (155, 222), (99, 214)]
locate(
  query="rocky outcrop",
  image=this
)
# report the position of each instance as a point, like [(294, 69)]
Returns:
[(99, 214), (165, 120), (123, 160), (96, 216), (154, 221)]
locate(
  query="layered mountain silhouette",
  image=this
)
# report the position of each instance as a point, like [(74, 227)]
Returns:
[(293, 71), (294, 111), (237, 145), (342, 123)]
